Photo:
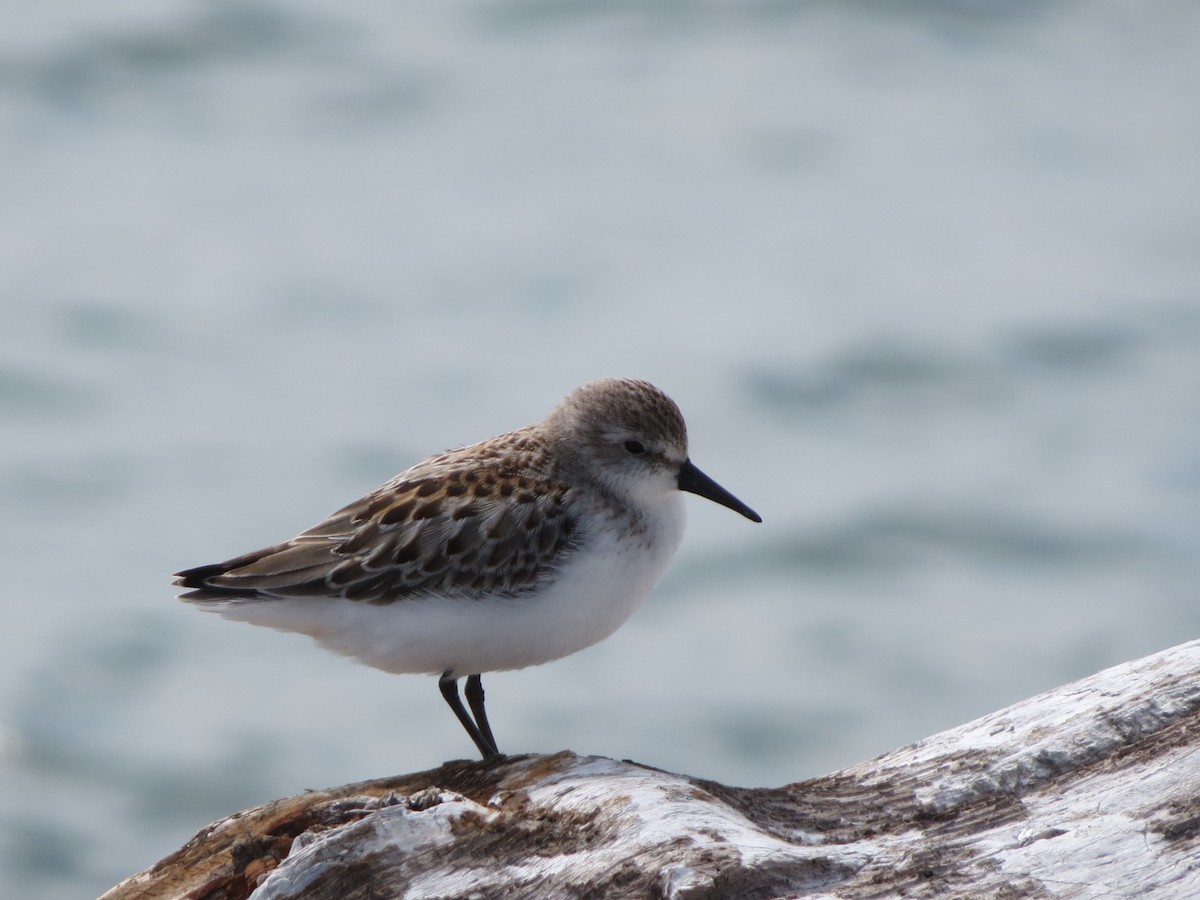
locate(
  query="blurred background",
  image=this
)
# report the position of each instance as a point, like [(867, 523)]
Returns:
[(924, 278)]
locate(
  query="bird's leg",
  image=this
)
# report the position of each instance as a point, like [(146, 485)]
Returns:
[(448, 685), (474, 692)]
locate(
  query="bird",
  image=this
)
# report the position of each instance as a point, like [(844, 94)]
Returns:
[(511, 552)]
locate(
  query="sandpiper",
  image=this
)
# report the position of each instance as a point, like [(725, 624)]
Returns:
[(508, 553)]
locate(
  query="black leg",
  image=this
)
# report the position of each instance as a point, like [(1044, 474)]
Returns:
[(474, 692), (448, 685)]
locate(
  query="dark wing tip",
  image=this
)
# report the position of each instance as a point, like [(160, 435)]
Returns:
[(198, 577)]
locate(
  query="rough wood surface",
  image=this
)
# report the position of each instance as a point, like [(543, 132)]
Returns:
[(1090, 790)]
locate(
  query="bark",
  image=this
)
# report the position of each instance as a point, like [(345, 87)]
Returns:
[(1089, 790)]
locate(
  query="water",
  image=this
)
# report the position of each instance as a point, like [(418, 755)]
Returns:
[(924, 280)]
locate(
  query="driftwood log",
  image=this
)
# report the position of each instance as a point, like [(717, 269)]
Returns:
[(1090, 790)]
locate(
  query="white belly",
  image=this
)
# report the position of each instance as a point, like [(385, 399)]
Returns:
[(592, 596)]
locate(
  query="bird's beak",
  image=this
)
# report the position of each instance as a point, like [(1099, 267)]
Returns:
[(694, 481)]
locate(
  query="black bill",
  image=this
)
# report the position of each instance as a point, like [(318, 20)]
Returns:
[(694, 481)]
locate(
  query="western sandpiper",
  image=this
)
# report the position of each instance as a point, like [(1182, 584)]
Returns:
[(504, 554)]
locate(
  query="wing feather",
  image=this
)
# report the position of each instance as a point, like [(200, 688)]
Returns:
[(468, 530)]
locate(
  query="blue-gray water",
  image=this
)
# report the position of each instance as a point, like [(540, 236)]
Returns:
[(925, 279)]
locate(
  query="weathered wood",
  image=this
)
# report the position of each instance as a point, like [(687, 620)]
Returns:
[(1090, 790)]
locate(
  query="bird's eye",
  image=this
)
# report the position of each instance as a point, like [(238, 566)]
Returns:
[(637, 448)]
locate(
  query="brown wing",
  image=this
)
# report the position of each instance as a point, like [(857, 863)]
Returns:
[(463, 531)]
